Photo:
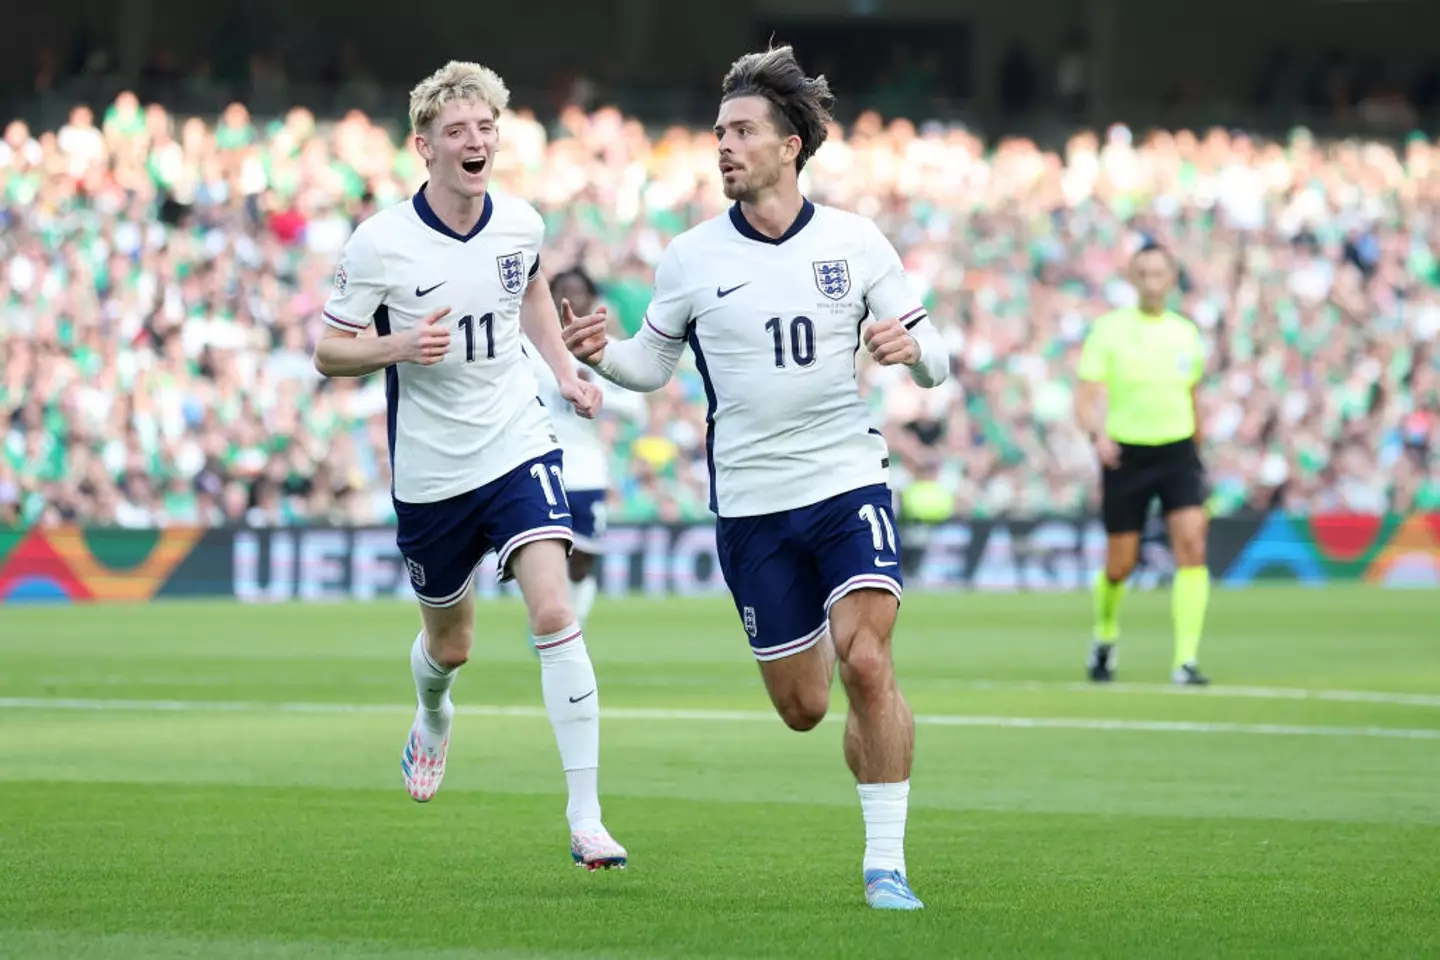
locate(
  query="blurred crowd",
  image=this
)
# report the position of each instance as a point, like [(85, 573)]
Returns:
[(161, 281)]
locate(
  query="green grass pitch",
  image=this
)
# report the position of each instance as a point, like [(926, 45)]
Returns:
[(214, 780)]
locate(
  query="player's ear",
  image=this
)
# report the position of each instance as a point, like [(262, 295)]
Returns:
[(422, 146)]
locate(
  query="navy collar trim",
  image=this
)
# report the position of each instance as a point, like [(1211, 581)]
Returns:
[(430, 219), (807, 213)]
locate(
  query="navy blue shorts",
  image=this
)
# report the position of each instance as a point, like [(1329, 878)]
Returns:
[(589, 509), (786, 570), (443, 542)]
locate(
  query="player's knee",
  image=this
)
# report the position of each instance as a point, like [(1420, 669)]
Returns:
[(450, 647), (866, 670), (1119, 570), (804, 709), (1190, 551), (549, 615)]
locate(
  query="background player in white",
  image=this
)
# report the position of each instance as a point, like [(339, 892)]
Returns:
[(774, 299), (448, 281), (586, 468)]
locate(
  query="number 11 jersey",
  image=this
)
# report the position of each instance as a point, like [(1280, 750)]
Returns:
[(471, 418)]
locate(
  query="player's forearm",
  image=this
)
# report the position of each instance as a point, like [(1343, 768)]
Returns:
[(541, 325), (1087, 408), (345, 356), (933, 367), (640, 363)]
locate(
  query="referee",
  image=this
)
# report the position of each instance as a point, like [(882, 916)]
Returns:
[(1141, 366)]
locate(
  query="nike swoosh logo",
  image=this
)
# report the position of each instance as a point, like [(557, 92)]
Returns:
[(719, 292), (578, 699), (427, 290), (884, 563), (558, 516)]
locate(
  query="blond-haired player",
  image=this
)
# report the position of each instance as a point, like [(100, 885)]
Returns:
[(448, 281)]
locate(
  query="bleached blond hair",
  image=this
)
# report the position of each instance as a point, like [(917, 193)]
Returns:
[(457, 80)]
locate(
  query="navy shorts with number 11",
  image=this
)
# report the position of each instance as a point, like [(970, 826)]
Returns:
[(444, 542), (787, 569)]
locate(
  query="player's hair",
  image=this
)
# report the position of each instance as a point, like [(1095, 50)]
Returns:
[(578, 273), (799, 105), (457, 80), (1151, 245)]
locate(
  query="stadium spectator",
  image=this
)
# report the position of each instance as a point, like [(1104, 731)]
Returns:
[(160, 278)]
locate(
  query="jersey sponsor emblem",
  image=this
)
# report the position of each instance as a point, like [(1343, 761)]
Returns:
[(426, 291), (341, 280), (833, 278), (749, 617), (722, 293), (417, 573), (512, 272)]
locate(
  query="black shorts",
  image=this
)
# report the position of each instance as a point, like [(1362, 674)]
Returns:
[(1171, 472)]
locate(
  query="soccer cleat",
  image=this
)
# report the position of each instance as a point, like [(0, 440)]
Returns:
[(1101, 665), (597, 850), (889, 890), (423, 766), (1189, 675)]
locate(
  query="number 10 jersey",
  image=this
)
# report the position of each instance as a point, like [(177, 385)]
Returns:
[(775, 328)]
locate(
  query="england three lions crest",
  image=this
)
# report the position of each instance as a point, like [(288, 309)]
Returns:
[(512, 272), (833, 278)]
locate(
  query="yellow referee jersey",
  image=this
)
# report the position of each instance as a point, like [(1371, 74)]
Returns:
[(1149, 365)]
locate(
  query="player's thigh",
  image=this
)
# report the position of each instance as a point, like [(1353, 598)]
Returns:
[(1126, 493), (442, 545), (1182, 501), (541, 570), (528, 509), (854, 543), (527, 505), (773, 584)]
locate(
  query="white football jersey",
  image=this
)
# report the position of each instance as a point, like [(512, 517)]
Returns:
[(584, 454), (774, 325), (475, 415)]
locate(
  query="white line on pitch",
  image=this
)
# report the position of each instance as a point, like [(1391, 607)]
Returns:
[(1220, 692), (727, 716)]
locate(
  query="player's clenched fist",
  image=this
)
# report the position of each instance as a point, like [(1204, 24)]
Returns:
[(584, 336), (890, 343), (429, 341), (584, 396)]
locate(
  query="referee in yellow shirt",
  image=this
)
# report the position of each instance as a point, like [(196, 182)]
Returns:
[(1139, 371)]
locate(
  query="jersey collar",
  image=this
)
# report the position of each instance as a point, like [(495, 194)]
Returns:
[(427, 216), (807, 213)]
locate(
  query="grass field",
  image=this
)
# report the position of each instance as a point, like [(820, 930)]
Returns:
[(223, 781)]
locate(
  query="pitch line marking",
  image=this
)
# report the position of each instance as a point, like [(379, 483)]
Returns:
[(726, 716)]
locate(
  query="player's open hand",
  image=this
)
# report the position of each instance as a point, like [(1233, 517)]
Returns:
[(429, 341), (585, 397), (584, 336), (890, 343)]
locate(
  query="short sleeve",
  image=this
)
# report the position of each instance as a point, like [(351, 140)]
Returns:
[(537, 240), (669, 312), (1095, 353), (359, 287), (889, 294)]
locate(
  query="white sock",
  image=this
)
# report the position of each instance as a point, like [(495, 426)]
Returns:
[(432, 687), (573, 701), (582, 596), (884, 806)]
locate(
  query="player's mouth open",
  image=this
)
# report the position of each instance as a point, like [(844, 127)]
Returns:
[(727, 168), (474, 165)]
